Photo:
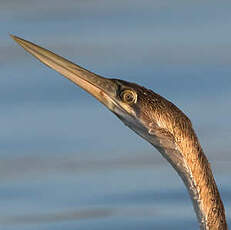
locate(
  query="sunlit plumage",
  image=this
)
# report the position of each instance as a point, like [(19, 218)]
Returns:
[(158, 121)]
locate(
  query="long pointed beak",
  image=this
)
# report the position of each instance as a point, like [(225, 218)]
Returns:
[(103, 89)]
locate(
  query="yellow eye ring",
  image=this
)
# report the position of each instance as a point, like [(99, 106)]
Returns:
[(128, 96)]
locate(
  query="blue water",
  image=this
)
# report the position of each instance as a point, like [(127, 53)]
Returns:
[(68, 163)]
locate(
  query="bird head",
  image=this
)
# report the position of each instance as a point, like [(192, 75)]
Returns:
[(148, 114)]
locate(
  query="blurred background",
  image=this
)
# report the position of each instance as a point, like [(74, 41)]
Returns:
[(66, 162)]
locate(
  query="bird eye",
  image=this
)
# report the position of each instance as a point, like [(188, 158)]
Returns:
[(128, 96)]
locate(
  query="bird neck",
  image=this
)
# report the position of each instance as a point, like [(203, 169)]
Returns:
[(203, 190)]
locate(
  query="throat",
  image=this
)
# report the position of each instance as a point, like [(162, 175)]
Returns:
[(203, 191), (193, 167)]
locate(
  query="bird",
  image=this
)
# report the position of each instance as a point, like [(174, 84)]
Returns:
[(156, 120)]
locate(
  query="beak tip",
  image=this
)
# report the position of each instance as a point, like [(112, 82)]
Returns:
[(12, 36), (15, 38)]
